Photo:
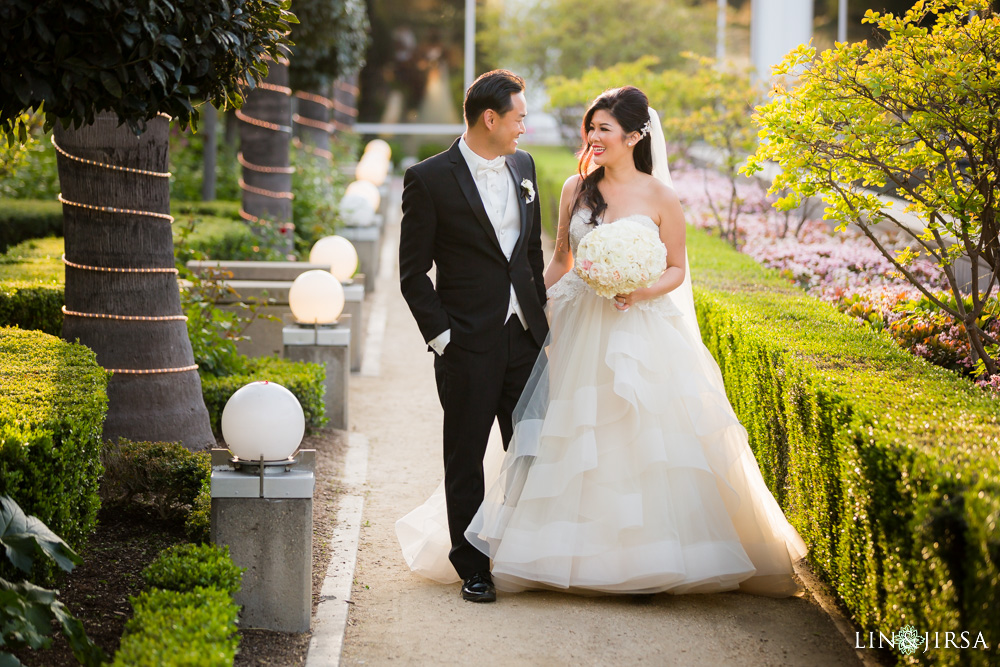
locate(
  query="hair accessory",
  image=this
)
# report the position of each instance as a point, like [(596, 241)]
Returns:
[(644, 130)]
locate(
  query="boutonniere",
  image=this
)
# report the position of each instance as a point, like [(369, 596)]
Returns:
[(527, 191)]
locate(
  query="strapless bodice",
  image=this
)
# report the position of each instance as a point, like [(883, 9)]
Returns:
[(579, 226), (571, 286)]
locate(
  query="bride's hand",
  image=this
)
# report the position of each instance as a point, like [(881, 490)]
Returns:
[(624, 301)]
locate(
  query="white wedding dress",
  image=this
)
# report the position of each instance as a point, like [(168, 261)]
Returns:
[(628, 471)]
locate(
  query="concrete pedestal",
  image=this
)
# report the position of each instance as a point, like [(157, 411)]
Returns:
[(366, 243), (271, 537), (330, 347), (354, 301)]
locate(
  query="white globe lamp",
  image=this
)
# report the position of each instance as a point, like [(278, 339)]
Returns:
[(379, 147), (316, 297), (357, 211), (372, 168), (367, 190), (263, 420), (339, 253)]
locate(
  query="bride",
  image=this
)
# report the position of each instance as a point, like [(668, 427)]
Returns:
[(628, 471)]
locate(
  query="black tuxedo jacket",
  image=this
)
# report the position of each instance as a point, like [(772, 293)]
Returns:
[(445, 223)]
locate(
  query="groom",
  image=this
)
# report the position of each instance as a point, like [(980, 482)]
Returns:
[(473, 214)]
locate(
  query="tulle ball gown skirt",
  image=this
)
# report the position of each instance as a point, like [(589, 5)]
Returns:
[(628, 471)]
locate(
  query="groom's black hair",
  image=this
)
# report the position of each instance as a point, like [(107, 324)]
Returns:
[(491, 90)]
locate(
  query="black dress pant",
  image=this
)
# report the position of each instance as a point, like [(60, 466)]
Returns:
[(475, 388)]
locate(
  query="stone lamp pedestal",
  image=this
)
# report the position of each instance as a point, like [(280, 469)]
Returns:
[(263, 513), (330, 346)]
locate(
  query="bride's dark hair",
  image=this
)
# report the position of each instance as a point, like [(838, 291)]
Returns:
[(630, 107)]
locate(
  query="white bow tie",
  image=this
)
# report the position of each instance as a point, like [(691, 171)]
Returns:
[(496, 166)]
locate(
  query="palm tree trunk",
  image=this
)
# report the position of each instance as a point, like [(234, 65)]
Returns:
[(265, 141), (312, 124), (345, 97), (155, 392)]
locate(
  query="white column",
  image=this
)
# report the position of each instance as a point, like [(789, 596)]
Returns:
[(470, 42), (842, 21), (777, 27), (720, 32)]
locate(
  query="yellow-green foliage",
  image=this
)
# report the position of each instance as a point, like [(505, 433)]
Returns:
[(887, 465), (52, 405), (174, 629), (187, 616), (696, 102), (917, 114)]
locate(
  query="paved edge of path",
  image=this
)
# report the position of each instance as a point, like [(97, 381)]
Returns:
[(329, 622), (827, 601), (330, 619)]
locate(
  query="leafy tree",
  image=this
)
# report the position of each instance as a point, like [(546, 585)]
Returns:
[(330, 40), (14, 153), (330, 43), (566, 37), (918, 115), (105, 71), (698, 104)]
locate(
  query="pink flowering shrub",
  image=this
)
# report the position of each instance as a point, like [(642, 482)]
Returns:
[(842, 268)]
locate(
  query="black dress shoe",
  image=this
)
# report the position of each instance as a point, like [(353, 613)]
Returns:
[(479, 588)]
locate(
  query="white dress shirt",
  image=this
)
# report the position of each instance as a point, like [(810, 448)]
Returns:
[(498, 192)]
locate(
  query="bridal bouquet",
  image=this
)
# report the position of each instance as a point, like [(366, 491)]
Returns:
[(620, 257)]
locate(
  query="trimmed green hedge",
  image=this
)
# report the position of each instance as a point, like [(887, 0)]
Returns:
[(214, 237), (164, 476), (32, 306), (22, 219), (171, 629), (887, 465), (186, 567), (53, 398), (305, 380), (219, 208), (187, 617), (34, 260)]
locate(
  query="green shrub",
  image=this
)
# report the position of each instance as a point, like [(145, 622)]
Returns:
[(169, 628), (214, 332), (207, 237), (32, 306), (164, 475), (305, 380), (218, 208), (186, 567), (53, 398), (198, 525), (35, 261), (887, 465), (22, 219), (35, 177), (318, 189)]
